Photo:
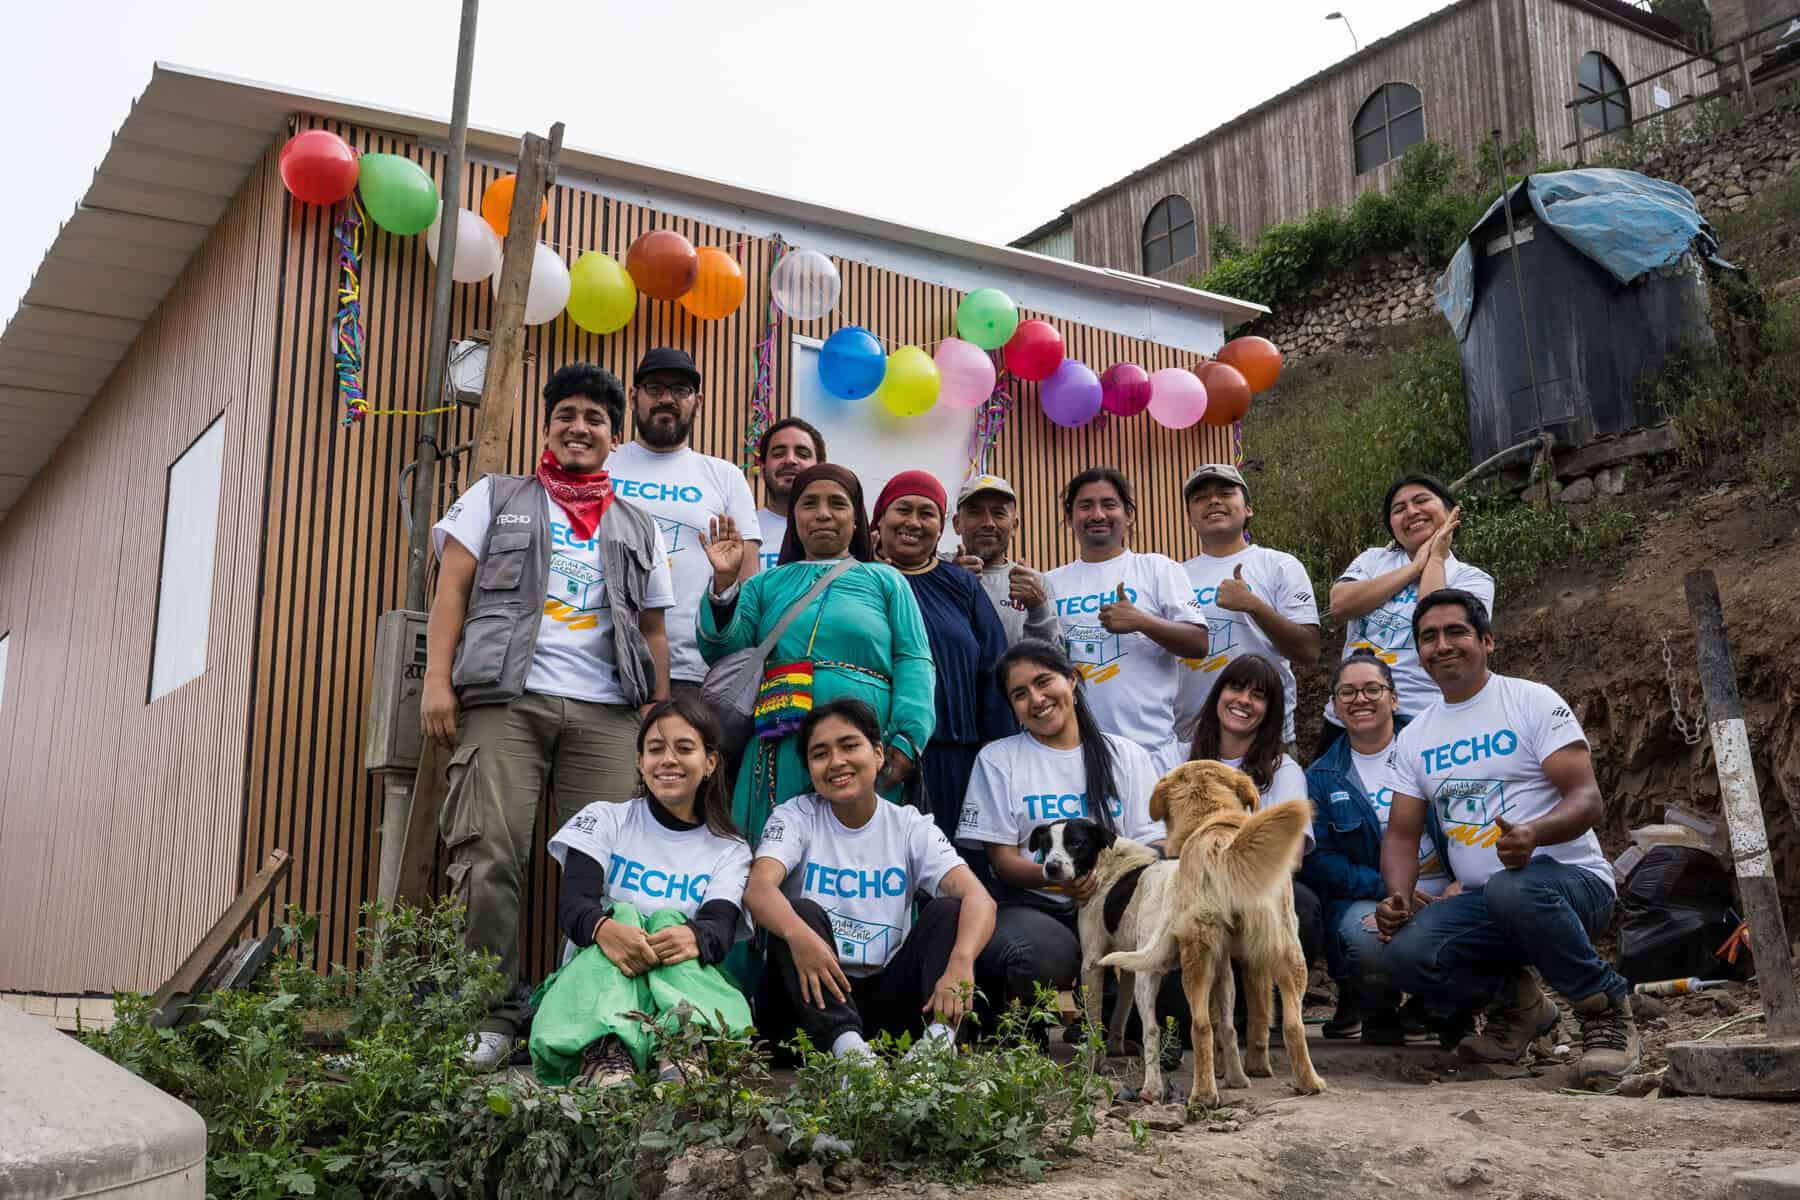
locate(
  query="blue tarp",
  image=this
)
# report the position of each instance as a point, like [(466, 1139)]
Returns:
[(1628, 223)]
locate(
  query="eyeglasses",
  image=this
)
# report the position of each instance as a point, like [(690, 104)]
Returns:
[(1368, 691), (657, 391)]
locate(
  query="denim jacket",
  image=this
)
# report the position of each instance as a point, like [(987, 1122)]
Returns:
[(1345, 863)]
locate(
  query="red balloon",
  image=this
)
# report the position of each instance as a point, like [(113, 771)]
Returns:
[(318, 167), (1227, 393), (1255, 358), (1035, 351), (663, 264), (1125, 389)]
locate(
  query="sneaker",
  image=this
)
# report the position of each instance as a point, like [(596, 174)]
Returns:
[(1385, 1027), (1347, 1021), (1512, 1025), (606, 1063), (1450, 1030), (670, 1070), (487, 1051), (1610, 1048)]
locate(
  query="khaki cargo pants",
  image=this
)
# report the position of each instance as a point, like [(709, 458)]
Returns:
[(506, 755)]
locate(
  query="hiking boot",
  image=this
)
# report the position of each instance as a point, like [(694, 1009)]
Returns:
[(1610, 1048), (606, 1063), (487, 1051), (1512, 1025), (1384, 1028), (1347, 1021)]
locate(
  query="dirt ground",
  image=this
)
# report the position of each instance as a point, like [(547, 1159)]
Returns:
[(1417, 1122)]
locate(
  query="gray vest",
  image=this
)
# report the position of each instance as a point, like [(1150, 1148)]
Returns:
[(506, 599)]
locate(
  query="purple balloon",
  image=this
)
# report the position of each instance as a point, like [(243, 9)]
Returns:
[(1071, 395), (1125, 389)]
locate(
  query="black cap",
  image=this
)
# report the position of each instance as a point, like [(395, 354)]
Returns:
[(666, 358)]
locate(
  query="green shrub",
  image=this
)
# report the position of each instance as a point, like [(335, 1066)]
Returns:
[(393, 1112)]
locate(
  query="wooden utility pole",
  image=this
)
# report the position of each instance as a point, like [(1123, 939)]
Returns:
[(493, 425)]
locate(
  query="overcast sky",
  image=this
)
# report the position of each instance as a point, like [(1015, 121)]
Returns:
[(975, 117)]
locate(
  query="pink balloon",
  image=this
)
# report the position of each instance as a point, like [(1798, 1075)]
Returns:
[(1177, 397), (966, 372), (1125, 389), (1071, 396)]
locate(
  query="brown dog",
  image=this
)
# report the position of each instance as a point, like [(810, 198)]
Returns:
[(1233, 898)]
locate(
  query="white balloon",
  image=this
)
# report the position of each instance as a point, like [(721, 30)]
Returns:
[(805, 285), (549, 292), (477, 246)]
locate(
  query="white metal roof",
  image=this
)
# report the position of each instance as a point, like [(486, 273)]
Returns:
[(192, 138)]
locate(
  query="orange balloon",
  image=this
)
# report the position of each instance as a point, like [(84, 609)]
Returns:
[(1227, 393), (663, 264), (719, 289), (1257, 359), (497, 202)]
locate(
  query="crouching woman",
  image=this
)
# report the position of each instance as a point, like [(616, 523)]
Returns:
[(834, 882), (651, 900)]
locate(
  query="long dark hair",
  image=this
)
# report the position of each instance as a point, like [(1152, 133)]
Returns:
[(861, 717), (1096, 751), (862, 547), (1266, 748), (715, 799)]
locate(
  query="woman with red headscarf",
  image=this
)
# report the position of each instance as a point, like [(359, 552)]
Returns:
[(966, 639), (862, 638)]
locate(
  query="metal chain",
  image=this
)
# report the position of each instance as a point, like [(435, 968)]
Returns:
[(1689, 733)]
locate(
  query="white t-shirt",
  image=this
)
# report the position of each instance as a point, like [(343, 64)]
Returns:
[(1483, 759), (1276, 577), (1131, 681), (1288, 783), (653, 867), (1388, 629), (574, 655), (864, 878), (774, 529), (1372, 772), (1019, 784), (685, 490)]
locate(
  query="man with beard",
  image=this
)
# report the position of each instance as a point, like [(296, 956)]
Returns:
[(685, 491), (788, 447), (1506, 765), (987, 517)]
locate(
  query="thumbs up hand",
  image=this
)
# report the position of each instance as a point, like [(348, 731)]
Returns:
[(1516, 844), (1234, 595), (967, 561), (1122, 616)]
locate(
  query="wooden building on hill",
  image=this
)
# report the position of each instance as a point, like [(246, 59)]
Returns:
[(1471, 67), (194, 548)]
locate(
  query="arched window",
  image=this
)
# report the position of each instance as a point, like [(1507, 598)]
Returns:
[(1610, 106), (1389, 123), (1169, 234)]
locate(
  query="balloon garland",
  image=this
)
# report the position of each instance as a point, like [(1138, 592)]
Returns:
[(349, 320)]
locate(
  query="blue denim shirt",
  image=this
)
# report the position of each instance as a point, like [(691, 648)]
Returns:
[(1345, 863)]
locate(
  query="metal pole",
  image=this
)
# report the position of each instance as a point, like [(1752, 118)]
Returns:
[(1512, 246), (1743, 808), (437, 349)]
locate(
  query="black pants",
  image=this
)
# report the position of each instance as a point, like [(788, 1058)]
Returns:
[(1310, 913), (891, 1000)]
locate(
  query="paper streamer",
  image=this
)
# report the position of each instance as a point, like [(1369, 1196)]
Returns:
[(763, 390), (349, 320)]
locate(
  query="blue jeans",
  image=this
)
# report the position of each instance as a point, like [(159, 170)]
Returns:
[(1360, 952), (1465, 951)]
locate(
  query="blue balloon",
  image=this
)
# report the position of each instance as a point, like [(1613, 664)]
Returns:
[(851, 363)]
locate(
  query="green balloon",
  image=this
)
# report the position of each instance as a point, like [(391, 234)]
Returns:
[(397, 193), (987, 317)]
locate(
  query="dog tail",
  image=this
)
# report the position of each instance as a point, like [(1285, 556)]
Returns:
[(1259, 859), (1261, 855)]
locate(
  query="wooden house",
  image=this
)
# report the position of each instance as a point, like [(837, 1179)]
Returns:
[(194, 546)]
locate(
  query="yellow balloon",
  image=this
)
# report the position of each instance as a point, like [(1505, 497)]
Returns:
[(910, 385), (602, 298)]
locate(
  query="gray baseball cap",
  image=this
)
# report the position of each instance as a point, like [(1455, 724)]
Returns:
[(984, 483), (1225, 471)]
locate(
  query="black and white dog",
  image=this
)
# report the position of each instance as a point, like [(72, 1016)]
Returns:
[(1124, 913)]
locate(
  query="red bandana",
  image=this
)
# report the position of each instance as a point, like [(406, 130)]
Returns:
[(583, 497)]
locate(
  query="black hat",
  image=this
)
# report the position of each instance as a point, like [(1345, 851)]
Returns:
[(666, 358)]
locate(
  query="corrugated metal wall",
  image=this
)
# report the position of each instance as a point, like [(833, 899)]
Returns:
[(336, 550), (119, 820)]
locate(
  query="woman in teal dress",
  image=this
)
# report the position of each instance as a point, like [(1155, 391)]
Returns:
[(863, 638)]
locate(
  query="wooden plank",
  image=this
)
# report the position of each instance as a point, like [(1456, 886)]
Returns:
[(205, 956)]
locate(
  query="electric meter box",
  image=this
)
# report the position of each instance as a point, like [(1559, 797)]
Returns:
[(393, 739)]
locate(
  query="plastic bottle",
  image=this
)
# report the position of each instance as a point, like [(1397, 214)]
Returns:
[(1678, 987)]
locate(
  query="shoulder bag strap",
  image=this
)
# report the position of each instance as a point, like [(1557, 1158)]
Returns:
[(767, 646)]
